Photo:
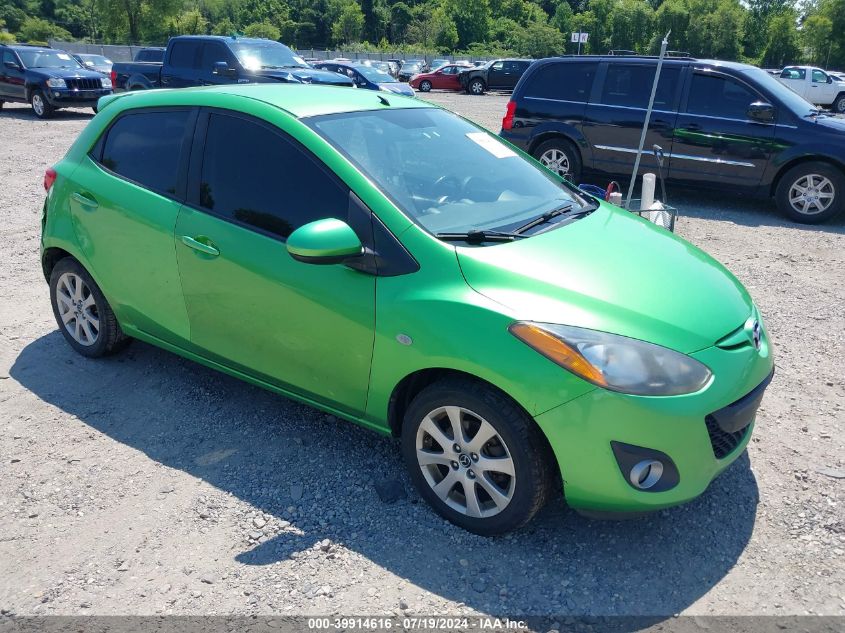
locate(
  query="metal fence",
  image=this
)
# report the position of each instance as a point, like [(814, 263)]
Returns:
[(126, 53)]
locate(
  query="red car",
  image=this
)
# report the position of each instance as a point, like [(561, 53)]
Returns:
[(445, 77)]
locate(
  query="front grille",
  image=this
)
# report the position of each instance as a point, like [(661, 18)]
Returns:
[(723, 443), (84, 84)]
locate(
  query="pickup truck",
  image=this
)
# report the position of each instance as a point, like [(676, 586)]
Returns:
[(205, 60), (815, 85)]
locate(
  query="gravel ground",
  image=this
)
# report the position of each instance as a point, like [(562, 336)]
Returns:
[(146, 484)]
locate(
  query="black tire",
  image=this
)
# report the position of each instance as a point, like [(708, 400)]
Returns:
[(826, 180), (425, 86), (94, 108), (40, 106), (476, 87), (1, 104), (545, 151), (838, 104), (533, 463), (109, 337)]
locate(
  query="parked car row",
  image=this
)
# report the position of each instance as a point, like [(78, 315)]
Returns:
[(366, 76), (722, 125), (815, 85)]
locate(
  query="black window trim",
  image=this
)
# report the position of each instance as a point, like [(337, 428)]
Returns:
[(197, 154), (96, 151), (710, 72)]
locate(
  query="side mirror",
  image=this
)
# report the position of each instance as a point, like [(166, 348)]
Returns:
[(12, 65), (222, 69), (761, 111), (829, 79), (328, 241)]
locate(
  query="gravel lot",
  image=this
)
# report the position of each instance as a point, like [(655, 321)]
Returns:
[(146, 484)]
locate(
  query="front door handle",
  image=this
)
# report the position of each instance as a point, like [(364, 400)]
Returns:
[(84, 200), (202, 247)]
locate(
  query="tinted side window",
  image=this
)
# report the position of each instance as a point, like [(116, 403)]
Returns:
[(793, 73), (819, 77), (568, 82), (213, 52), (719, 96), (631, 86), (255, 176), (184, 54), (145, 147), (8, 56)]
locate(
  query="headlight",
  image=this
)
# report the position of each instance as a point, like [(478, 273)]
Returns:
[(56, 82), (106, 82), (617, 363)]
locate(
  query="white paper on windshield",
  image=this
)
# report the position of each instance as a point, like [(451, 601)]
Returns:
[(63, 56), (499, 150)]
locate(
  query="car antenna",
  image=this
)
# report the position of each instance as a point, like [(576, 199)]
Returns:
[(383, 100)]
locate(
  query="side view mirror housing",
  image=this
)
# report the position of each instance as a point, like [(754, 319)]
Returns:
[(327, 241), (222, 69), (829, 79), (761, 111)]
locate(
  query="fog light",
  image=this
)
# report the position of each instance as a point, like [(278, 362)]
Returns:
[(646, 473)]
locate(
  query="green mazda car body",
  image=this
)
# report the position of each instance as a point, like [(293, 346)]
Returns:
[(392, 263)]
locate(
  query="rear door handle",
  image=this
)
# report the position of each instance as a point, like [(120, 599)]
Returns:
[(208, 249), (84, 200)]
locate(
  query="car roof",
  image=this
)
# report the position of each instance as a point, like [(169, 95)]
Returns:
[(228, 38), (645, 59), (26, 47), (296, 99)]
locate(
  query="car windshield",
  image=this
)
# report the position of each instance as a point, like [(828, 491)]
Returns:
[(443, 172), (258, 55), (47, 59), (375, 75), (786, 96)]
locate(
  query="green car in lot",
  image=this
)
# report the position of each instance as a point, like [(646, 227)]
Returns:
[(387, 261)]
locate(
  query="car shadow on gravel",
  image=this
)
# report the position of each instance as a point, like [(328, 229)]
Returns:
[(296, 464), (24, 113)]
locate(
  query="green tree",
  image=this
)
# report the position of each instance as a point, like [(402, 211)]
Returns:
[(401, 17), (190, 22), (631, 25), (40, 30), (264, 30), (816, 33), (715, 28), (540, 40), (349, 25), (472, 21), (782, 46), (563, 19), (674, 16)]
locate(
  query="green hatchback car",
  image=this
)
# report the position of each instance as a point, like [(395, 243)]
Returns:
[(387, 261)]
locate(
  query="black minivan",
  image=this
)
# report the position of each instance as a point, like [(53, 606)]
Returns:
[(722, 125)]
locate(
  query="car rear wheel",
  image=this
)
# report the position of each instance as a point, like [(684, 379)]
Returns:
[(561, 157), (477, 458), (425, 86), (811, 193), (839, 103), (82, 313), (476, 87), (40, 106)]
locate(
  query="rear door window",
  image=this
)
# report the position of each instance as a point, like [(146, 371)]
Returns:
[(563, 81), (145, 147), (630, 85), (719, 96), (276, 191), (185, 54)]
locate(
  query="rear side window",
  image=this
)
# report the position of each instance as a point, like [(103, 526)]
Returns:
[(631, 86), (719, 96), (145, 148), (563, 81), (793, 73), (256, 177), (185, 54)]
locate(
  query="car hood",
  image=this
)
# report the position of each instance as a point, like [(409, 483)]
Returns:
[(306, 76), (831, 122), (398, 88), (614, 272), (66, 73)]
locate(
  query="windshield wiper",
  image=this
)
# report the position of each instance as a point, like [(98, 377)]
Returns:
[(476, 236), (542, 219)]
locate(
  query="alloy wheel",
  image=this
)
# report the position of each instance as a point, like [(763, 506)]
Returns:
[(811, 194), (78, 309), (465, 461), (557, 161), (38, 104), (425, 86), (476, 87)]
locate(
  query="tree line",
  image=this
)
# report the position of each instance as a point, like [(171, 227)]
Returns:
[(770, 33)]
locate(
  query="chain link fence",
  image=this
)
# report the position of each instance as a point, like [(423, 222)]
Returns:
[(126, 53)]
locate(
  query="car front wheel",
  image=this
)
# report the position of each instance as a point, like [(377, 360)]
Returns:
[(40, 106), (425, 86), (476, 87), (477, 458), (82, 313), (561, 157), (839, 104), (811, 193)]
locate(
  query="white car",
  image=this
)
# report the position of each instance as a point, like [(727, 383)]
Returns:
[(815, 85)]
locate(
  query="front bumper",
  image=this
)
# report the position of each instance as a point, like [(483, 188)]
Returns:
[(64, 98), (583, 432)]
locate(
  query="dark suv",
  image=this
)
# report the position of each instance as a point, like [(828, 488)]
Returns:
[(48, 79), (498, 74), (722, 125)]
